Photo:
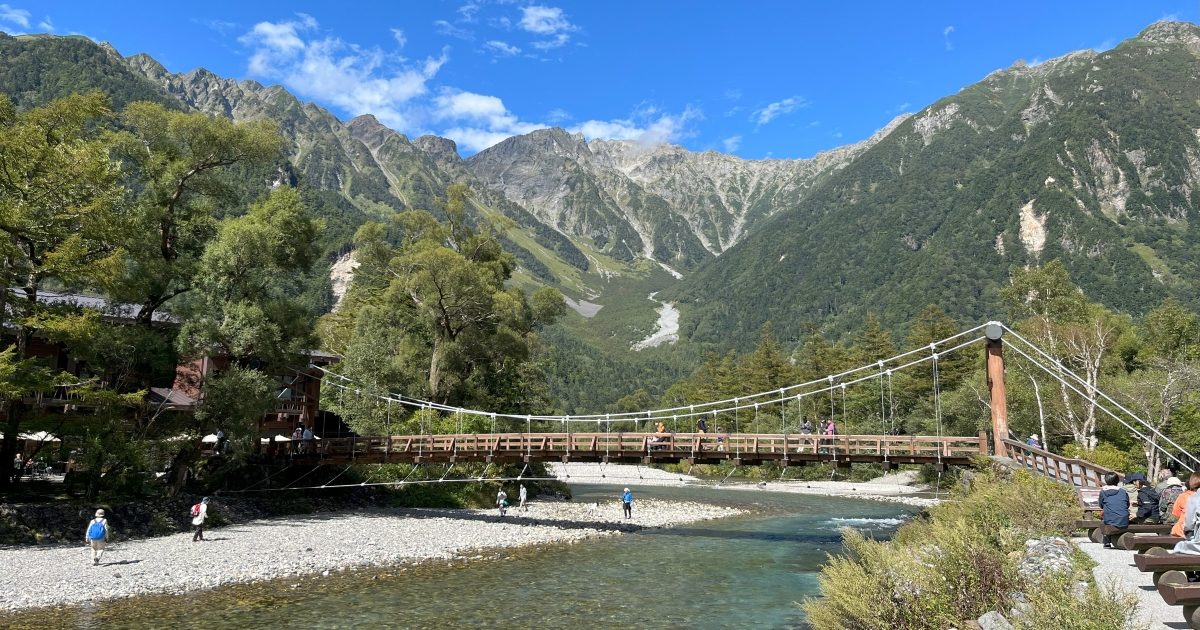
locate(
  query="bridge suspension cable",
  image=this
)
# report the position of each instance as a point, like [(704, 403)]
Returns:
[(833, 384), (1057, 374)]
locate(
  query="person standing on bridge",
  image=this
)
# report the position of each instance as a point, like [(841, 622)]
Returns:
[(830, 427), (1114, 502), (627, 503)]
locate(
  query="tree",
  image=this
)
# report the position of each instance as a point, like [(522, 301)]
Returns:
[(181, 164), (428, 314), (59, 213), (245, 305), (1052, 310)]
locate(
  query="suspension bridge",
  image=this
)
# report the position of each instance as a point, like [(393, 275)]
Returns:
[(653, 436)]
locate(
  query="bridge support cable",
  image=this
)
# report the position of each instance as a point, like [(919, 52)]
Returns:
[(839, 377), (1094, 399), (1106, 410)]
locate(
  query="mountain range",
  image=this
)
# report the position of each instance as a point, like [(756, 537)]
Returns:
[(1092, 158)]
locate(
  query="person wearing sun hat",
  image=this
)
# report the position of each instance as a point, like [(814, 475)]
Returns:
[(1034, 441), (96, 536), (627, 503)]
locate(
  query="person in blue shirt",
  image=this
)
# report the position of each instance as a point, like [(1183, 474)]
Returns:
[(1114, 502), (627, 503), (1034, 441)]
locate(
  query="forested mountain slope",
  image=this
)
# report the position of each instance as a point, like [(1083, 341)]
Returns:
[(1092, 158)]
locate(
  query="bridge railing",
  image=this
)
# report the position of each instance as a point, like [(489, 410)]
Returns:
[(692, 444), (1075, 472)]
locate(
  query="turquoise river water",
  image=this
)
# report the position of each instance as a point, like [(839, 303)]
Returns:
[(743, 572)]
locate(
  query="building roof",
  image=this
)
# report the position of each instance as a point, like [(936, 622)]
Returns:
[(168, 396), (117, 310)]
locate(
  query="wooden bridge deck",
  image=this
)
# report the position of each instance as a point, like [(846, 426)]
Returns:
[(646, 448)]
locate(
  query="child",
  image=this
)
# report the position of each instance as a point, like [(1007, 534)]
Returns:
[(1114, 501)]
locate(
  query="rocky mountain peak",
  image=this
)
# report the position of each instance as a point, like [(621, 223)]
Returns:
[(1171, 32), (441, 149)]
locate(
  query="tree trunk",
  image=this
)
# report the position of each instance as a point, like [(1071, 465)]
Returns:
[(435, 370)]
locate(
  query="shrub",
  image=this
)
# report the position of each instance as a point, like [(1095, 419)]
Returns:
[(958, 563), (1105, 455)]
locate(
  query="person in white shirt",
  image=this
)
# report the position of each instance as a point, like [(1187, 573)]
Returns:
[(201, 513)]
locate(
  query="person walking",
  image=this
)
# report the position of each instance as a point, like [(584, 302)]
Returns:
[(18, 465), (96, 536), (1034, 441), (199, 513), (806, 426), (627, 503), (502, 502), (521, 497)]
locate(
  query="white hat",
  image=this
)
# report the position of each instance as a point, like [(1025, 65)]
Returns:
[(99, 513), (626, 489), (1174, 481), (1033, 436)]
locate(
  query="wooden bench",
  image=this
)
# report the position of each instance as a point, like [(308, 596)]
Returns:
[(1141, 544), (1162, 563), (1093, 526), (1177, 591)]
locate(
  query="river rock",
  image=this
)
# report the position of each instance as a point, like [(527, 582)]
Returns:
[(1045, 556)]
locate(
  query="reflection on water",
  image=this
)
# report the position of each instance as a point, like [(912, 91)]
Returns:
[(744, 572)]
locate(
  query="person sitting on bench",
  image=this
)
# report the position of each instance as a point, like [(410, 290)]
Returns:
[(1114, 502), (1147, 511)]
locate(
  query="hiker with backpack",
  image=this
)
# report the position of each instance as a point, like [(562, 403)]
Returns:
[(1169, 493), (96, 536), (199, 513)]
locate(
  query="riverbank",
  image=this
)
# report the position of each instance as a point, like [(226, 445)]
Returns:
[(902, 487), (313, 544)]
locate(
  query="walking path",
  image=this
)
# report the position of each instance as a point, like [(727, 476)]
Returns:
[(1115, 567)]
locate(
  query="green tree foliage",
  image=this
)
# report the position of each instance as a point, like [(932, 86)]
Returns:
[(431, 317), (181, 166), (244, 304), (59, 212)]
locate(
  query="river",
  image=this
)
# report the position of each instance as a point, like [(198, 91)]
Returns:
[(742, 572)]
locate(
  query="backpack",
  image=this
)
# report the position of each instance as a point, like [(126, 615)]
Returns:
[(195, 510), (1166, 501), (96, 530)]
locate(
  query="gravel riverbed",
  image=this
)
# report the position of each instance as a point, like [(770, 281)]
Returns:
[(312, 544)]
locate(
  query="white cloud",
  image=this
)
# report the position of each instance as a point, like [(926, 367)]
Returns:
[(946, 37), (777, 109), (547, 21), (400, 37), (468, 11), (222, 27), (404, 95), (544, 20), (732, 143), (501, 49), (647, 126), (355, 79), (13, 15), (549, 44), (446, 28), (47, 25)]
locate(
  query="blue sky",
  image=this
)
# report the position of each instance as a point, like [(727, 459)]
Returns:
[(759, 79)]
